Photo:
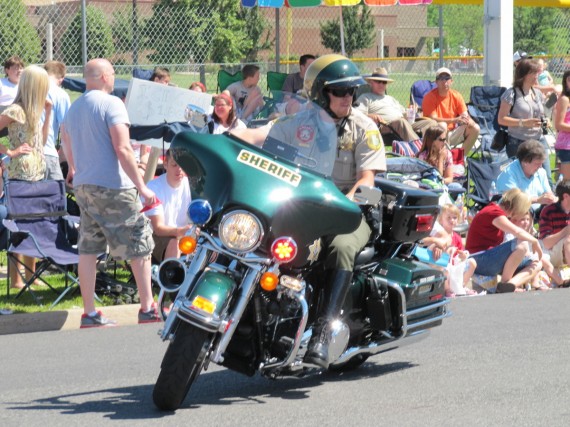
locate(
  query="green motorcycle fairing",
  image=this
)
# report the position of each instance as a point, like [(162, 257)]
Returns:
[(212, 288), (289, 200)]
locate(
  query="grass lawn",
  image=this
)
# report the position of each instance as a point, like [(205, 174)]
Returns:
[(400, 88), (27, 304)]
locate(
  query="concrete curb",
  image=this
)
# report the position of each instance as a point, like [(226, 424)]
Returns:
[(59, 320)]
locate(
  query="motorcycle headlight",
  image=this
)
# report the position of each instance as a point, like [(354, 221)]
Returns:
[(240, 231)]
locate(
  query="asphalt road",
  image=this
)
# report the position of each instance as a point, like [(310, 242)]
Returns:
[(501, 360)]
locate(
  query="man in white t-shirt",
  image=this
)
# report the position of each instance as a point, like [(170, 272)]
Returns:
[(168, 219)]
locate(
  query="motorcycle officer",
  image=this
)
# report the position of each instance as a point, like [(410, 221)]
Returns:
[(331, 81)]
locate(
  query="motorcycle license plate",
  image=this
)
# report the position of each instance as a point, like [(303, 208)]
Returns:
[(204, 304)]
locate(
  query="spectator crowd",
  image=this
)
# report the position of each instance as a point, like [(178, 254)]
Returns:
[(503, 251)]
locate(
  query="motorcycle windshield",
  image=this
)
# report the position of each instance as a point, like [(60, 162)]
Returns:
[(306, 138), (279, 171)]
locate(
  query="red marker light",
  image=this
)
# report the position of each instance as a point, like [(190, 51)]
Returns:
[(284, 249), (424, 222)]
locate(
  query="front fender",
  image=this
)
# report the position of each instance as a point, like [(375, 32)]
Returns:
[(211, 293), (207, 301)]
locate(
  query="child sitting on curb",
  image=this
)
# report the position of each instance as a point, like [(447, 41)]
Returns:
[(444, 239), (542, 280)]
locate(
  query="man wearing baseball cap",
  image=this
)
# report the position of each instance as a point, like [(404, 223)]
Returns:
[(446, 106), (385, 110)]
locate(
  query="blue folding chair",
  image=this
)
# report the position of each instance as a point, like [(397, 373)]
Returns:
[(38, 225), (418, 91), (483, 107)]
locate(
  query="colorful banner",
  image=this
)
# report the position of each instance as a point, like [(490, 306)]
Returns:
[(340, 2), (303, 3), (270, 3), (529, 3), (314, 3)]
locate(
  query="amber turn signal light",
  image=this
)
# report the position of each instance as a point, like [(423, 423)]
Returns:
[(269, 281), (187, 245)]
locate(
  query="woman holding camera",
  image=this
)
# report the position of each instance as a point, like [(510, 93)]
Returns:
[(522, 111)]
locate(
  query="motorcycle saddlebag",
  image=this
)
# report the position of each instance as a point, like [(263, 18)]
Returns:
[(422, 285), (408, 213)]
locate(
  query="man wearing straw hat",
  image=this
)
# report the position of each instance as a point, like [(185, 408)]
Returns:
[(386, 111)]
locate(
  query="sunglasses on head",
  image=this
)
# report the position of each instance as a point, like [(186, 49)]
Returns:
[(341, 92)]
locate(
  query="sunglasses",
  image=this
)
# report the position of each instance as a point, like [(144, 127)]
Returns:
[(379, 82), (341, 92), (442, 139), (444, 79)]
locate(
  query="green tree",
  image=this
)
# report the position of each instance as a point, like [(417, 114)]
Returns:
[(462, 26), (122, 28), (535, 30), (17, 34), (99, 37), (182, 31), (359, 30), (256, 28)]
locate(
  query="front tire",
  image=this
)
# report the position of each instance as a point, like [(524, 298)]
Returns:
[(180, 366)]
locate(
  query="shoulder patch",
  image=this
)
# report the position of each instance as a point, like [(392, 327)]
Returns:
[(374, 140)]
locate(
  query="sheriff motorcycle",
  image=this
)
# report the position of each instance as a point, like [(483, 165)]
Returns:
[(245, 293)]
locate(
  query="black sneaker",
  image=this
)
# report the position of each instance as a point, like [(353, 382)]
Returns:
[(150, 316), (505, 287), (97, 321)]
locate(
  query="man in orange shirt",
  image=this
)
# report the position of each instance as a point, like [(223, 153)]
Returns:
[(446, 106)]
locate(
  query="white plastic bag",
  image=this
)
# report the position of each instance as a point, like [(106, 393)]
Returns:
[(455, 271)]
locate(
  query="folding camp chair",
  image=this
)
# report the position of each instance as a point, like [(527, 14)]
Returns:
[(225, 78), (275, 82), (480, 177), (139, 73), (483, 107), (418, 91), (38, 229)]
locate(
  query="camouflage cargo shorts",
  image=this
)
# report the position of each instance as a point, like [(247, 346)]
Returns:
[(112, 217)]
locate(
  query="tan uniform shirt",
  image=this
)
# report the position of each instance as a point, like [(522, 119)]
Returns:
[(360, 148)]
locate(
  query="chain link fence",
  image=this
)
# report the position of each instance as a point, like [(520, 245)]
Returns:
[(194, 39)]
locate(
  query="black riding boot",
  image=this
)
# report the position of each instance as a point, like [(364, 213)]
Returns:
[(338, 283)]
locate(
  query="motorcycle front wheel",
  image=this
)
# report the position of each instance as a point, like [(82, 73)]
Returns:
[(180, 366)]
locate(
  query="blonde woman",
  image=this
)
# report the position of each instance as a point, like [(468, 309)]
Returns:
[(26, 138), (485, 242), (22, 118)]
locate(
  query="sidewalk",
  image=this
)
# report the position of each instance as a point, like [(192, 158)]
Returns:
[(61, 319)]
